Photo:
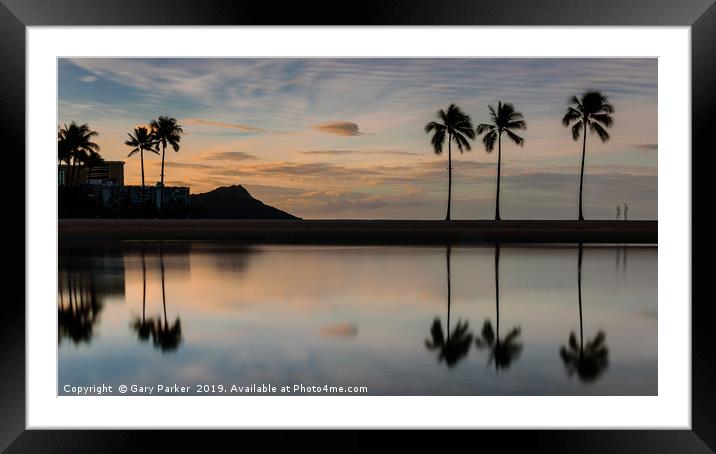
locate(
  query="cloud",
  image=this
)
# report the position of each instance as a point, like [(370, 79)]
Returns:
[(88, 78), (221, 124), (230, 156), (646, 146), (362, 152), (341, 330), (185, 165), (338, 128)]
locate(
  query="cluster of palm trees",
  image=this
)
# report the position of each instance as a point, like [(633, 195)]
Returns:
[(75, 147), (162, 131), (587, 360), (591, 110)]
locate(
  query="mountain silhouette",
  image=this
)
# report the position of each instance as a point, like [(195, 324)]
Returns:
[(233, 202)]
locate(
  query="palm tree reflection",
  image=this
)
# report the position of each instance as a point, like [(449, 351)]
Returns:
[(456, 345), (590, 361), (78, 316), (141, 326), (164, 336), (503, 352)]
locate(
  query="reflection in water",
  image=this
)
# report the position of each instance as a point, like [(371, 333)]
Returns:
[(591, 361), (502, 351), (164, 336), (81, 293), (457, 344), (291, 314), (78, 316)]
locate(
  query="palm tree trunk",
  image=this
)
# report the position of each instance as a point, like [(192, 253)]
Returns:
[(499, 165), (447, 217), (581, 174), (144, 200), (447, 256), (70, 171), (161, 186), (579, 285)]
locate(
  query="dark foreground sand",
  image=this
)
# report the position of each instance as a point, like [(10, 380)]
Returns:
[(359, 231)]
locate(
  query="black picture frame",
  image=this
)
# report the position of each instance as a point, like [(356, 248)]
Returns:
[(16, 15)]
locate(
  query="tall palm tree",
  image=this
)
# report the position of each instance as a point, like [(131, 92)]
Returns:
[(587, 362), (505, 119), (457, 344), (502, 351), (77, 141), (592, 110), (456, 127), (142, 140), (166, 130)]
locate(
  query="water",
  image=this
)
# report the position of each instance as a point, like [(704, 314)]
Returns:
[(221, 314)]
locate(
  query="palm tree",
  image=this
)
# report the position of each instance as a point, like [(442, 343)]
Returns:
[(77, 142), (456, 346), (142, 140), (166, 130), (457, 127), (502, 351), (587, 362), (505, 119), (592, 110)]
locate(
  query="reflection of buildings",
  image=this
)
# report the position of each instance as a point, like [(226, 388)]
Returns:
[(99, 191)]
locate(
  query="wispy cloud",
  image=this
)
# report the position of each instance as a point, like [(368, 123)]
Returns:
[(88, 78), (221, 124), (360, 152), (646, 146), (339, 128), (230, 156)]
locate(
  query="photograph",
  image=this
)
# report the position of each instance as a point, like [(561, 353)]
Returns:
[(357, 226)]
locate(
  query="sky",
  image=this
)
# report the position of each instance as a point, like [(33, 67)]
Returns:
[(343, 137)]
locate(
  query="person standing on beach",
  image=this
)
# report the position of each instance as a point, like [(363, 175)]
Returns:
[(619, 212), (626, 210)]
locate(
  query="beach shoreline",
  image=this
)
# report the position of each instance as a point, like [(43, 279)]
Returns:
[(359, 231)]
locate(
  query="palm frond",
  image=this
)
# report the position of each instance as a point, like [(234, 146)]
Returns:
[(577, 130), (489, 140), (515, 138), (599, 130)]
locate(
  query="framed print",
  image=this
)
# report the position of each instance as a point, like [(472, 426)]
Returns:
[(237, 217)]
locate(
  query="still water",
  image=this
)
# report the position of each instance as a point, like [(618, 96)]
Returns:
[(460, 320)]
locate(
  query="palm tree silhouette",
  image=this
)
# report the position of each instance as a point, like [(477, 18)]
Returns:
[(505, 119), (457, 127), (456, 346), (503, 352), (76, 143), (166, 337), (166, 130), (141, 326), (589, 361), (592, 110), (142, 140)]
